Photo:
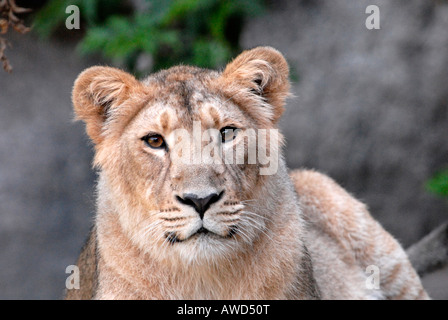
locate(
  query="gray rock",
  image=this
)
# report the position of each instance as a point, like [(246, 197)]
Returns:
[(46, 183)]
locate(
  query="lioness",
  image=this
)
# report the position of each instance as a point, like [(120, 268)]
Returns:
[(169, 229)]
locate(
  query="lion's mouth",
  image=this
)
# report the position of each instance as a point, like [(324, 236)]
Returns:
[(172, 237), (202, 230)]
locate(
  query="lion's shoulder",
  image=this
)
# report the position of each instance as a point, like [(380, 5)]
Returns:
[(333, 212), (320, 193)]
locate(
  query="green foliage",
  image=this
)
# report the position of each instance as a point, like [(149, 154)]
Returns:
[(438, 184), (200, 32)]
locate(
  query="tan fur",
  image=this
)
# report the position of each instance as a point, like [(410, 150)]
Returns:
[(278, 236)]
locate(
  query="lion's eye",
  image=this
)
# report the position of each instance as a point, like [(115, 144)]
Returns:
[(154, 141), (228, 134)]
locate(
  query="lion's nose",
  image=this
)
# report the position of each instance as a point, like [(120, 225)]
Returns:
[(199, 204)]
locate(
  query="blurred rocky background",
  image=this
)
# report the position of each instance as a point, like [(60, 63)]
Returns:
[(370, 110)]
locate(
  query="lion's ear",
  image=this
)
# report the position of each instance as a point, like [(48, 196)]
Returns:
[(261, 73), (97, 92)]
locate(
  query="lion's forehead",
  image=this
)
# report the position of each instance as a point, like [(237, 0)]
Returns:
[(180, 104)]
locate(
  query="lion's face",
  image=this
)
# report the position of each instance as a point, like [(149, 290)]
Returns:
[(176, 151)]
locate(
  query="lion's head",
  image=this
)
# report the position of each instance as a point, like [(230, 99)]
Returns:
[(161, 146)]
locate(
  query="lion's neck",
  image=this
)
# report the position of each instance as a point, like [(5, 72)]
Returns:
[(277, 266)]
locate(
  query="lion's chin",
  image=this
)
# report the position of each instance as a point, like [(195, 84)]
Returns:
[(205, 248)]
